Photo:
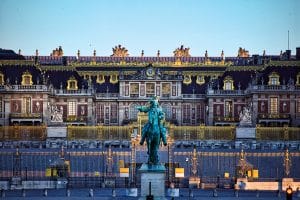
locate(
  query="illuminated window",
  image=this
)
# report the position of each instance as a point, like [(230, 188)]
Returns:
[(273, 79), (72, 84), (150, 89), (134, 89), (72, 108), (26, 78), (273, 105), (166, 89), (228, 83), (1, 78)]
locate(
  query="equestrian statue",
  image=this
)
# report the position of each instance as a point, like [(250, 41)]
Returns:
[(154, 130)]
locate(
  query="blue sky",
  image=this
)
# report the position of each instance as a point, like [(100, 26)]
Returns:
[(149, 25)]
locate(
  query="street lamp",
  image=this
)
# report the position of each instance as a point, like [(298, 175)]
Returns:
[(187, 165)]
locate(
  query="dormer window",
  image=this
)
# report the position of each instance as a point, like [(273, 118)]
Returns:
[(228, 83), (72, 84), (113, 78), (26, 78), (1, 78), (200, 80), (100, 79), (273, 79)]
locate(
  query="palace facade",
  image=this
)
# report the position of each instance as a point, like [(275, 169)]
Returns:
[(98, 90)]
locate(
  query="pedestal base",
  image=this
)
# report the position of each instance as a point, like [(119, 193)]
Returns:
[(154, 174), (245, 133)]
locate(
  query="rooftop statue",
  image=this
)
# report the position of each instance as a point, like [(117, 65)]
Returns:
[(154, 130), (182, 52), (58, 52), (243, 53), (120, 51)]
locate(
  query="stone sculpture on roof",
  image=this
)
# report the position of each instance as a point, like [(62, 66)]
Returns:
[(182, 52), (243, 53), (119, 51)]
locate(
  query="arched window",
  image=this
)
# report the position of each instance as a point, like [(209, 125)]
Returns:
[(273, 79), (72, 84), (228, 83), (26, 78)]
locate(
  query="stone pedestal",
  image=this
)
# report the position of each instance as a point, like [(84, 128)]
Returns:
[(156, 175), (194, 182), (245, 133)]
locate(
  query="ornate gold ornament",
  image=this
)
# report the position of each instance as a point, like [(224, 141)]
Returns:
[(120, 51)]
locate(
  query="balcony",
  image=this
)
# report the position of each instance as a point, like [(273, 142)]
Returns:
[(263, 88), (26, 118), (193, 96), (24, 88), (81, 92), (107, 95), (225, 92)]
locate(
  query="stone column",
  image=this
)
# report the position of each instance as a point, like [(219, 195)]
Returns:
[(255, 108), (91, 115), (292, 109), (210, 119)]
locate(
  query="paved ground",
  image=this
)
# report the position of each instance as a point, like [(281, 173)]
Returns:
[(120, 194)]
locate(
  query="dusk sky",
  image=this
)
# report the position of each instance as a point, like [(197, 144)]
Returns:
[(212, 25)]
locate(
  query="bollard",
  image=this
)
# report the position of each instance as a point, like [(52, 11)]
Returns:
[(257, 193), (23, 193), (2, 193), (68, 193), (91, 193), (236, 193), (278, 194), (191, 194), (45, 192), (215, 194), (113, 192)]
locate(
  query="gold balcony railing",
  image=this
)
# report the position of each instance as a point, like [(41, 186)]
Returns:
[(26, 115), (278, 133), (202, 133), (23, 133), (99, 132)]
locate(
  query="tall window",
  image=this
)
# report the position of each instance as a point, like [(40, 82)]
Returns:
[(166, 89), (72, 108), (114, 113), (150, 89), (298, 106), (228, 83), (134, 89), (186, 113), (100, 113), (167, 110), (274, 79), (133, 111), (1, 110), (198, 111), (273, 105), (228, 109)]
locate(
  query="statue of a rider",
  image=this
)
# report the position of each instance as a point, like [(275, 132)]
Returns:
[(154, 130)]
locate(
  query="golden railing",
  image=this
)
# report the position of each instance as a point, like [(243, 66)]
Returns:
[(99, 132), (277, 133), (23, 133), (202, 132)]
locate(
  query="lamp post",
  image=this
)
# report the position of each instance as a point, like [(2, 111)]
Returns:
[(187, 166)]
